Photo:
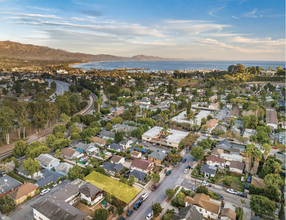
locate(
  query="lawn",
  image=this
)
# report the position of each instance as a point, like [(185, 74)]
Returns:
[(237, 184), (184, 82), (119, 190)]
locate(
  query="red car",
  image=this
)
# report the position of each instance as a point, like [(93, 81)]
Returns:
[(153, 188), (275, 148)]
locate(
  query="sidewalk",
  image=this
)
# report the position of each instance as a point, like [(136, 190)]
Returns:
[(167, 205)]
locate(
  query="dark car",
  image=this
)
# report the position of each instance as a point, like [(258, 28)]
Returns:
[(130, 211), (137, 204), (168, 173), (184, 160), (122, 218), (279, 152), (243, 195), (220, 196), (153, 188), (188, 167)]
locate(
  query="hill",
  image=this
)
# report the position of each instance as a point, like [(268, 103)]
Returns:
[(34, 52)]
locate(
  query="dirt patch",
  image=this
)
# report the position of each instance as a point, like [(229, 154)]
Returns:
[(86, 209)]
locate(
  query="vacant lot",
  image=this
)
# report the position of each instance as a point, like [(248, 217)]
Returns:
[(237, 184)]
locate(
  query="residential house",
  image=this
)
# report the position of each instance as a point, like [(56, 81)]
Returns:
[(157, 157), (208, 171), (204, 204), (135, 154), (48, 176), (116, 159), (82, 148), (188, 213), (238, 123), (111, 168), (225, 145), (236, 166), (115, 147), (70, 194), (228, 212), (122, 127), (240, 148), (90, 193), (9, 184), (47, 161), (221, 128), (271, 119), (50, 209), (231, 157), (213, 160), (26, 174), (63, 168), (92, 150), (69, 153), (234, 113), (118, 113), (139, 175), (211, 124), (217, 151), (107, 135), (142, 165), (248, 132), (20, 194), (281, 137), (98, 141), (126, 144)]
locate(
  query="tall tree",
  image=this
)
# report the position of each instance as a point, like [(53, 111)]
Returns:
[(248, 156), (267, 148), (6, 122), (198, 153), (189, 106), (257, 158), (32, 166), (261, 205), (19, 149)]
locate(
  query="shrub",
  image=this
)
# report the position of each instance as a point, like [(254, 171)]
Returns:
[(13, 175), (227, 181)]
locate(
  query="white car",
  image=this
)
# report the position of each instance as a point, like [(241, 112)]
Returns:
[(186, 171), (204, 183), (232, 191), (144, 196), (44, 191), (149, 216)]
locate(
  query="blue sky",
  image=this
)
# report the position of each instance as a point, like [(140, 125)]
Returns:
[(188, 29)]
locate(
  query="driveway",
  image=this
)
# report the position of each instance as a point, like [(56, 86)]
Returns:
[(175, 178), (25, 211)]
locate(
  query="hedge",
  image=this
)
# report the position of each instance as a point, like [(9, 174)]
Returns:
[(264, 192), (13, 175)]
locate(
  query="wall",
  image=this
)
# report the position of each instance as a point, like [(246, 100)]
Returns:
[(39, 216)]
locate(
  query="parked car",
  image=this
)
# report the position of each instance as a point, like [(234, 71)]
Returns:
[(220, 196), (275, 148), (242, 194), (129, 213), (122, 218), (186, 171), (168, 173), (176, 164), (153, 188), (154, 144), (137, 204), (184, 160), (188, 167), (279, 152), (149, 216), (204, 183), (44, 191), (232, 191), (144, 196)]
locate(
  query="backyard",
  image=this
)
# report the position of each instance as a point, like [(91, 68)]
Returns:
[(236, 184)]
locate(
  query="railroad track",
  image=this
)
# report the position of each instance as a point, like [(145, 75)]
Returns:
[(86, 112)]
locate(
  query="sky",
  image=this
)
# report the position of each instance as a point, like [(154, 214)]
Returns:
[(187, 29)]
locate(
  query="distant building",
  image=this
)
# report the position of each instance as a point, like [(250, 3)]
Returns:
[(188, 213), (47, 161), (271, 119), (208, 171)]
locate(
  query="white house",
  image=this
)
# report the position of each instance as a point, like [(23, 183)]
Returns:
[(90, 193), (231, 157), (47, 161), (213, 160), (236, 166), (203, 203), (25, 173), (116, 159)]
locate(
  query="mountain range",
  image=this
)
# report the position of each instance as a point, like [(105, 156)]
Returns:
[(34, 52)]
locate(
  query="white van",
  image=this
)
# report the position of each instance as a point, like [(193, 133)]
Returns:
[(144, 196)]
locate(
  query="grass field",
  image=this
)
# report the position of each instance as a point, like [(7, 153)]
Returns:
[(119, 190), (237, 184)]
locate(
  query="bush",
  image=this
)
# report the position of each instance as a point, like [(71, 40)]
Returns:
[(13, 175), (84, 201), (227, 181)]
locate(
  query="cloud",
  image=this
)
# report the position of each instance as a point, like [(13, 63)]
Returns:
[(267, 41), (251, 14), (224, 34), (193, 27), (211, 12), (29, 15), (234, 17), (93, 13)]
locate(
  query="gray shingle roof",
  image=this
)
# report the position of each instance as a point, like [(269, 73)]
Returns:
[(208, 169), (114, 146), (10, 184), (89, 190), (46, 159), (188, 213), (82, 146), (113, 167), (157, 155), (223, 145), (49, 176), (138, 174)]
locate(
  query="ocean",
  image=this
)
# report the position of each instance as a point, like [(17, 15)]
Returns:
[(176, 65)]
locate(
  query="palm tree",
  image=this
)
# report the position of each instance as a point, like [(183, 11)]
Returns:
[(267, 149), (276, 167), (248, 153), (257, 157), (242, 202)]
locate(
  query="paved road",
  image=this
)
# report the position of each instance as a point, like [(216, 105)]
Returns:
[(175, 178), (62, 87), (25, 211)]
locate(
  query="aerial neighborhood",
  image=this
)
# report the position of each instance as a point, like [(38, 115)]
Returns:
[(141, 144)]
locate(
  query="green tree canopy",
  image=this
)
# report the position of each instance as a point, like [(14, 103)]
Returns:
[(170, 193), (101, 214), (19, 149), (261, 205), (32, 166), (157, 209), (198, 153)]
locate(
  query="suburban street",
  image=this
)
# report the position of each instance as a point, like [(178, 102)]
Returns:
[(25, 211), (175, 178)]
